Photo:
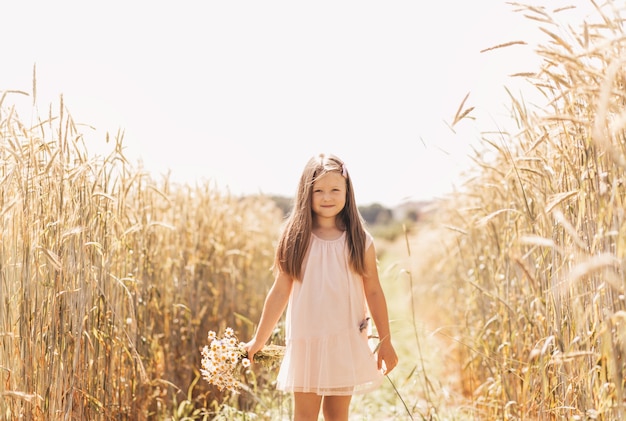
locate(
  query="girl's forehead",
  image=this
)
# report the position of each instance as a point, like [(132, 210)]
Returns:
[(331, 177)]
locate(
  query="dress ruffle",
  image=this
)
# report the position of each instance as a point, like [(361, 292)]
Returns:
[(341, 364)]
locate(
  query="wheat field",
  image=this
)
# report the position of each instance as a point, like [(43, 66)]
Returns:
[(110, 280), (534, 241), (507, 299)]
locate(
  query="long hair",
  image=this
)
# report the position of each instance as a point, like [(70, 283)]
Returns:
[(293, 243)]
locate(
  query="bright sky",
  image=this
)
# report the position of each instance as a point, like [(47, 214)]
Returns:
[(244, 92)]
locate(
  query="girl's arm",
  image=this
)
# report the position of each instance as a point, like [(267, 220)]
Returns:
[(275, 304), (378, 308)]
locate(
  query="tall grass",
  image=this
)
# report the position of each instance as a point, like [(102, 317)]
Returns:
[(534, 241), (110, 279)]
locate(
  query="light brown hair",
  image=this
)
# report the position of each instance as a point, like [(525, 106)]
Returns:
[(293, 243)]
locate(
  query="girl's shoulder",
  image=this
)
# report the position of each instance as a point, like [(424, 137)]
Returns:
[(369, 239), (367, 236)]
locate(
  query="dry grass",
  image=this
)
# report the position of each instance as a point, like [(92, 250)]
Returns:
[(110, 279), (533, 267)]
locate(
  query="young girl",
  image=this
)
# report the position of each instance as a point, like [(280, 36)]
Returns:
[(326, 275)]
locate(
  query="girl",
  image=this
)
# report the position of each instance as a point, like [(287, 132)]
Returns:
[(326, 274)]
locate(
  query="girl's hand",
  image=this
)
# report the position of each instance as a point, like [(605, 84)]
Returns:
[(387, 356), (252, 348)]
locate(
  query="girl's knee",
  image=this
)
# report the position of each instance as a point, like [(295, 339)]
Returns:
[(336, 408), (306, 406)]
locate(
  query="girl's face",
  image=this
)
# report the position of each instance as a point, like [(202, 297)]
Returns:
[(329, 195)]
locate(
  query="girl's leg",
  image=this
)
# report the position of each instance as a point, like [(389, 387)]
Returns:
[(306, 406), (336, 408)]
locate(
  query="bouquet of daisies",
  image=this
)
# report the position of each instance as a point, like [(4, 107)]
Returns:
[(225, 357)]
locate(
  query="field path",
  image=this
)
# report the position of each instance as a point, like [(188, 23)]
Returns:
[(428, 375)]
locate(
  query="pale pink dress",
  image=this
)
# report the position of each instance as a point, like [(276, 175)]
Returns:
[(326, 351)]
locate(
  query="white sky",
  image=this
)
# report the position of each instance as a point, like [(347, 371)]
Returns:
[(244, 92)]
